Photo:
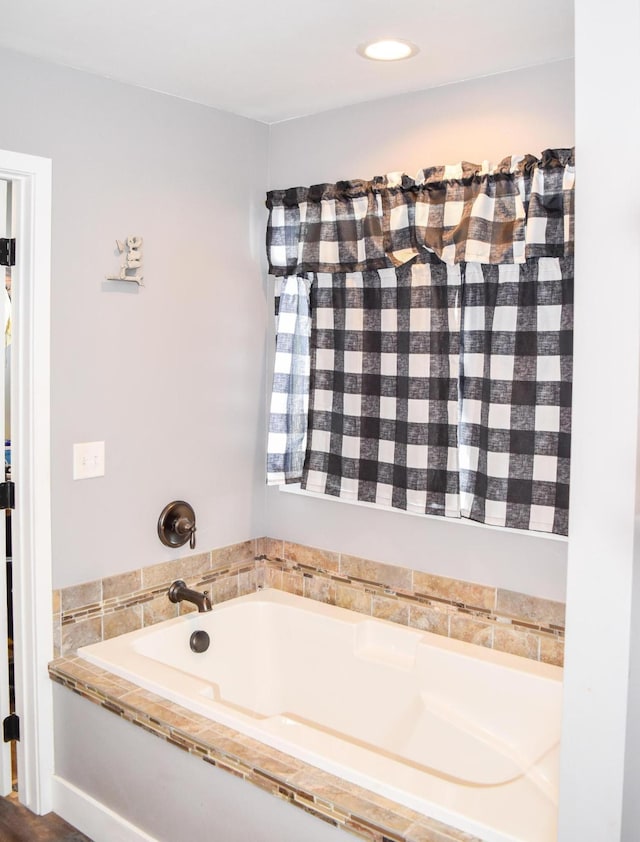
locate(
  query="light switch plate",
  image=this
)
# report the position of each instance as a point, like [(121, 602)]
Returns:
[(88, 459)]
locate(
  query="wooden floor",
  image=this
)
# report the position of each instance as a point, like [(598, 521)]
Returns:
[(17, 824)]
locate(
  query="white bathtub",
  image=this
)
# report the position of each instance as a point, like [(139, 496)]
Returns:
[(464, 734)]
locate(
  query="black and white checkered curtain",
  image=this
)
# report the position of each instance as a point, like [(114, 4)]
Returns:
[(437, 378), (514, 424), (384, 387), (290, 392)]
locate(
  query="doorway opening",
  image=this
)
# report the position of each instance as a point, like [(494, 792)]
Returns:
[(7, 671), (26, 764)]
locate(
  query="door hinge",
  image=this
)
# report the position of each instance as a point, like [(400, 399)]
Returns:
[(7, 252), (11, 728), (7, 495)]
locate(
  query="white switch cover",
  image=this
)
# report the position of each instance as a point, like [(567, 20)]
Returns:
[(88, 459)]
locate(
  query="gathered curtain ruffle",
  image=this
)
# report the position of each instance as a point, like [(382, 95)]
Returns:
[(521, 209)]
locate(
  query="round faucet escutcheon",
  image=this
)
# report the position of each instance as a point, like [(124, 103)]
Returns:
[(199, 641), (177, 524)]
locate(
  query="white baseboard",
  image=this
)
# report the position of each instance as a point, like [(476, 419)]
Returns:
[(92, 817)]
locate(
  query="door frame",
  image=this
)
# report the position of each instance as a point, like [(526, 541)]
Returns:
[(31, 463), (5, 692)]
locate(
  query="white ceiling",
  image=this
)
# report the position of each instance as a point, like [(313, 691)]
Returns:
[(277, 59)]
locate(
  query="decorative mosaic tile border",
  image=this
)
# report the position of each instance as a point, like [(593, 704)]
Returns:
[(105, 608), (335, 801), (493, 617)]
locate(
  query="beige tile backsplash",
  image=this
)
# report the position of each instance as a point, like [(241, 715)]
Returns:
[(93, 611), (490, 617)]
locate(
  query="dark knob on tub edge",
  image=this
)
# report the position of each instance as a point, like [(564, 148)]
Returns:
[(199, 641)]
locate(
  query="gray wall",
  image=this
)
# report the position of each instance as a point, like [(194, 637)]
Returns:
[(170, 376), (489, 118)]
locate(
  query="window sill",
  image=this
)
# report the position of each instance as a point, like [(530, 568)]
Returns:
[(294, 488)]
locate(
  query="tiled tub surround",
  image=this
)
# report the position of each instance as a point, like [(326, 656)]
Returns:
[(105, 608), (337, 802), (493, 617), (102, 609)]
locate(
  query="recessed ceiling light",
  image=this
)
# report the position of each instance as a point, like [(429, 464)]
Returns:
[(388, 49)]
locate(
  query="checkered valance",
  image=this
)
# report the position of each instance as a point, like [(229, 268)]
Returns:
[(424, 341), (523, 208)]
